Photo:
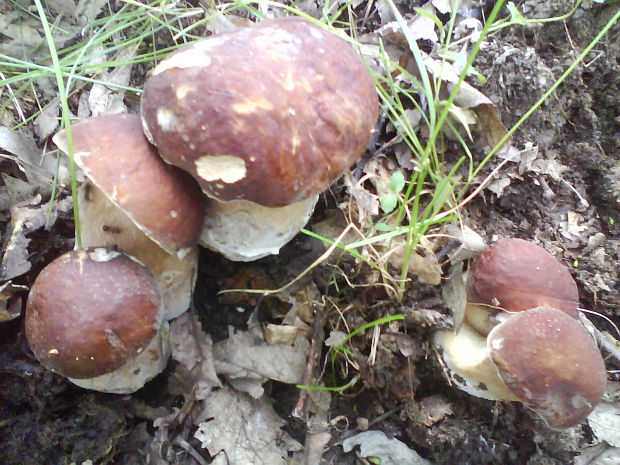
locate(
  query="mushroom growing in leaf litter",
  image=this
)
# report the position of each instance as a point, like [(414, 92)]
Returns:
[(134, 201), (271, 114), (516, 345), (95, 316)]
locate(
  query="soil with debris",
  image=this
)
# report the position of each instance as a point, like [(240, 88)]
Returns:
[(566, 197)]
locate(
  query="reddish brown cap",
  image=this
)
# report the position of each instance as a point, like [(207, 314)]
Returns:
[(91, 311), (162, 200), (551, 363), (272, 113), (520, 275)]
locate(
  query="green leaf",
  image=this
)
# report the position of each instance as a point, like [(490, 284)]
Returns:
[(396, 182), (389, 202), (384, 227)]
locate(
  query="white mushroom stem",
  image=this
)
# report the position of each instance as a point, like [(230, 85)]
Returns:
[(469, 364), (135, 373), (244, 231), (103, 224)]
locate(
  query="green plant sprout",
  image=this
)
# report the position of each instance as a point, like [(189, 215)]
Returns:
[(396, 184)]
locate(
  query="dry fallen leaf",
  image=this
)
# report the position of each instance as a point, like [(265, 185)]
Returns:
[(389, 451), (105, 100), (247, 361), (193, 349), (239, 430), (14, 191), (39, 170), (10, 304), (605, 418), (26, 218), (454, 293)]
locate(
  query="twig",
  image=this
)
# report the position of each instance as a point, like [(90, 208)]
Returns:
[(313, 355)]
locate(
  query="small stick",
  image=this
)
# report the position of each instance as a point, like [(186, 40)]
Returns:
[(313, 355)]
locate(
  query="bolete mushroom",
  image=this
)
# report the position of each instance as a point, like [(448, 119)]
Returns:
[(541, 357), (513, 275), (551, 363), (95, 316), (134, 201), (521, 339), (268, 115)]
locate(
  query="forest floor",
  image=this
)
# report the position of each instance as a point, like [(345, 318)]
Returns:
[(560, 189)]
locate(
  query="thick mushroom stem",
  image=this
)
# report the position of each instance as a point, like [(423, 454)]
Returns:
[(106, 225), (469, 364), (244, 231)]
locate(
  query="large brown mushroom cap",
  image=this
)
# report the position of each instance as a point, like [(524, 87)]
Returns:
[(551, 363), (163, 201), (516, 275), (91, 311), (273, 113)]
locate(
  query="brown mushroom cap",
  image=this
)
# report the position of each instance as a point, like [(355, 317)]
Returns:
[(272, 113), (90, 311), (162, 200), (518, 275), (551, 363)]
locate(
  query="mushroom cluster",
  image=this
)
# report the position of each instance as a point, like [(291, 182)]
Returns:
[(261, 120), (521, 338)]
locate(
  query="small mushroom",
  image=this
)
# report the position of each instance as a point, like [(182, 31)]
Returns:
[(271, 114), (134, 201), (551, 363), (541, 357), (515, 274), (516, 345), (95, 316)]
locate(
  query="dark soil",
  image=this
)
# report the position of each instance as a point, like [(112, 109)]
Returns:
[(45, 420)]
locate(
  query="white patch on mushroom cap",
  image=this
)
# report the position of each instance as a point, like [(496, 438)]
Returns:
[(226, 168), (166, 119), (101, 254), (182, 91), (496, 343), (315, 33), (192, 57), (251, 105)]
